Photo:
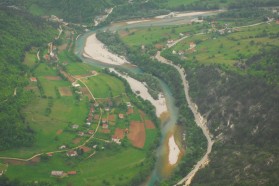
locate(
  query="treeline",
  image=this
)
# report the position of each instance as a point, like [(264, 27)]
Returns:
[(236, 4), (4, 181), (196, 142), (19, 32)]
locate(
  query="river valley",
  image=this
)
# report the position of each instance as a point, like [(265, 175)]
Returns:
[(168, 153)]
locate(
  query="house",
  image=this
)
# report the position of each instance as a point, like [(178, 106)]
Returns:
[(116, 140), (104, 120), (75, 126), (126, 130), (96, 117), (173, 52), (96, 104), (128, 104), (33, 79), (93, 72), (277, 22), (49, 154), (90, 132), (81, 133), (180, 53), (72, 153), (170, 41), (121, 116), (72, 172), (57, 173), (92, 109), (181, 34), (192, 45), (95, 146), (75, 84), (62, 147), (105, 126), (107, 109)]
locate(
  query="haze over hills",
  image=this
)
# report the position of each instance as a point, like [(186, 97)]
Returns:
[(50, 99)]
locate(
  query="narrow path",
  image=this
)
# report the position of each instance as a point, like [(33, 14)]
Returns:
[(38, 55), (200, 121)]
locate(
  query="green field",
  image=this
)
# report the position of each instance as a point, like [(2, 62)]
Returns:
[(30, 58), (103, 86), (233, 47), (156, 35)]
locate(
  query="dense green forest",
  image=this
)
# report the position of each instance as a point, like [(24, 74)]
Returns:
[(19, 32), (86, 10)]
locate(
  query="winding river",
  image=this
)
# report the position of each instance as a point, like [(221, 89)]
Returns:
[(162, 167)]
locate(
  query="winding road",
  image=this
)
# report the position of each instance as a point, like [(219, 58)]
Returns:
[(200, 121)]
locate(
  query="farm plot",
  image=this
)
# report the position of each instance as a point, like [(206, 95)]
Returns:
[(137, 134)]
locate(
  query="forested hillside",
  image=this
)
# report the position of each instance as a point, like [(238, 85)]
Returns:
[(242, 113), (19, 32), (86, 11)]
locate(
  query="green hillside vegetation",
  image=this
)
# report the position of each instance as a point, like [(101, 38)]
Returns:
[(19, 32)]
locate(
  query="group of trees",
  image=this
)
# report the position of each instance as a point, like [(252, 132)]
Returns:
[(19, 32)]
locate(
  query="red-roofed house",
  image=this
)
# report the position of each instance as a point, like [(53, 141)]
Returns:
[(121, 116), (91, 132), (33, 79), (72, 172), (72, 153), (105, 126)]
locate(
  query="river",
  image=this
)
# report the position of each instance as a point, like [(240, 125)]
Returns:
[(162, 167)]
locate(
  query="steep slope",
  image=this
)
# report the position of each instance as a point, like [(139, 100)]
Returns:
[(242, 113)]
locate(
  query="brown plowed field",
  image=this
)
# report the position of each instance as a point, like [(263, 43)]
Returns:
[(149, 124), (137, 134), (53, 78)]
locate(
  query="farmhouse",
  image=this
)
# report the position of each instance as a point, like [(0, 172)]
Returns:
[(105, 126), (96, 117), (91, 132), (192, 45), (62, 147), (104, 120), (57, 173), (80, 133), (72, 153), (33, 79), (72, 172), (75, 84), (121, 116), (75, 126), (116, 140)]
